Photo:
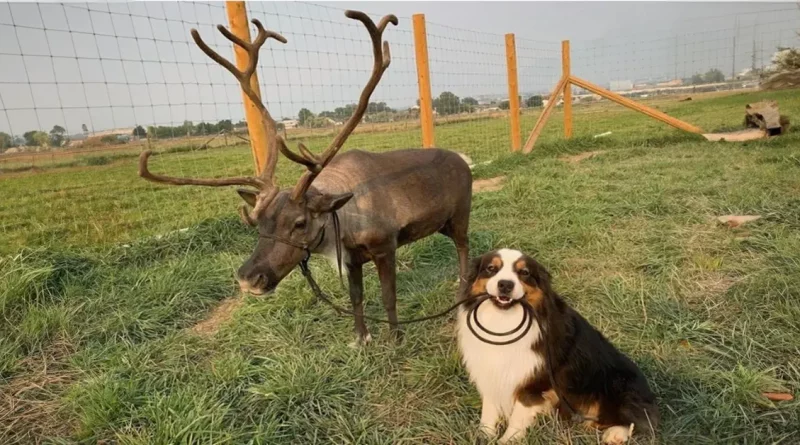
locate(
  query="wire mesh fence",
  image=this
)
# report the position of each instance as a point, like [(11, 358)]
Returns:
[(84, 88), (703, 54)]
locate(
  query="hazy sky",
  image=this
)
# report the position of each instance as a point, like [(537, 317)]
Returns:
[(120, 64)]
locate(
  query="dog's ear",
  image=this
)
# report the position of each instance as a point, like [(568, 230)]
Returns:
[(474, 269), (539, 274)]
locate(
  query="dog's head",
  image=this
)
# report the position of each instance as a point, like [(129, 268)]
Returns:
[(508, 276)]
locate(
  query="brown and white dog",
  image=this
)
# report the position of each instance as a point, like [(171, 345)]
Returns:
[(597, 380)]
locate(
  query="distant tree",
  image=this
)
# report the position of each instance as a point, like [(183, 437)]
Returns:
[(6, 141), (36, 138), (225, 125), (240, 124), (504, 105), (342, 113), (377, 107), (470, 101), (139, 132), (697, 79), (713, 76), (85, 129), (188, 128), (206, 128), (41, 139), (57, 136), (304, 116), (534, 101), (447, 103), (152, 131)]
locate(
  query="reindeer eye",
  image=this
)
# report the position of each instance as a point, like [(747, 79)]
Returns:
[(524, 272), (299, 224)]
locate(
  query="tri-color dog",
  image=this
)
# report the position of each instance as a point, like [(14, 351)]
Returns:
[(514, 380)]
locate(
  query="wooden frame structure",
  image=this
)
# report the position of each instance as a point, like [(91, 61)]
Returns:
[(239, 26), (564, 87)]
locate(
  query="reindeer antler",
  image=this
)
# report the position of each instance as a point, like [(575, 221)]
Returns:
[(266, 179), (315, 164), (144, 172)]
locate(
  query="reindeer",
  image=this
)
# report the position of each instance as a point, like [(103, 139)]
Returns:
[(379, 201)]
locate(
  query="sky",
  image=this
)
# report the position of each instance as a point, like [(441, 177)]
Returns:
[(116, 65)]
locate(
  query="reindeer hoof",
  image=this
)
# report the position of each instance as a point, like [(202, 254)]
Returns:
[(361, 341), (398, 335)]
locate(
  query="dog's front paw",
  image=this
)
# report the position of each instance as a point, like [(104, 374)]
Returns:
[(617, 435), (488, 431), (511, 435)]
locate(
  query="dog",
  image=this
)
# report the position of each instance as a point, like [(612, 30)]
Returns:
[(589, 375)]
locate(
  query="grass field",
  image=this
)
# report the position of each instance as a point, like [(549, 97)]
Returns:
[(97, 338)]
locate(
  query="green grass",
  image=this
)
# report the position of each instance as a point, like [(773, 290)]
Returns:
[(94, 341)]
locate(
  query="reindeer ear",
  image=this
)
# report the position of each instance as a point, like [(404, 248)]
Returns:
[(249, 196), (327, 203)]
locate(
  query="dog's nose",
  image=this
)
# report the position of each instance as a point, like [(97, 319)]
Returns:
[(505, 286)]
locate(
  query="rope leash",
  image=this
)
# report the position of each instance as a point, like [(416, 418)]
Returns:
[(528, 314)]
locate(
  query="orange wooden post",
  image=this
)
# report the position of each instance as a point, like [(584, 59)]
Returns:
[(565, 70), (237, 19), (513, 92), (424, 81), (624, 101), (551, 103)]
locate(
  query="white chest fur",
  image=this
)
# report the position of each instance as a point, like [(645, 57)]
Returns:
[(497, 371)]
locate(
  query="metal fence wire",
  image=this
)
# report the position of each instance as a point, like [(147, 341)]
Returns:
[(85, 88)]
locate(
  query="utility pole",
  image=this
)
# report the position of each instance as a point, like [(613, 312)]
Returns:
[(735, 31), (753, 61), (676, 57)]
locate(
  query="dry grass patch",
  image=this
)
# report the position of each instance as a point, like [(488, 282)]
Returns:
[(574, 159), (488, 185), (30, 408), (218, 316)]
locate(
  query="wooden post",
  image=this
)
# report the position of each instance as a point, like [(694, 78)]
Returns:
[(424, 81), (565, 73), (551, 103), (239, 26), (624, 101), (513, 92)]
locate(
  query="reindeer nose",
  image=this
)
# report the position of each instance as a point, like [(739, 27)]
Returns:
[(505, 286), (260, 281)]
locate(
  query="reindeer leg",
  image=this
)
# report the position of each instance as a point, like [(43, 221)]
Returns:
[(387, 273), (457, 229), (462, 247), (355, 279)]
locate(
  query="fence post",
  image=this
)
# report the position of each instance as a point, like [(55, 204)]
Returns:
[(513, 92), (565, 74), (237, 19), (424, 81)]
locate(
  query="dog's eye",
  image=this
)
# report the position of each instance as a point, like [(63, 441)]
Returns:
[(491, 268), (524, 272)]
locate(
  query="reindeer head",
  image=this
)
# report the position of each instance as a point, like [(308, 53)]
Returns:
[(290, 223)]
